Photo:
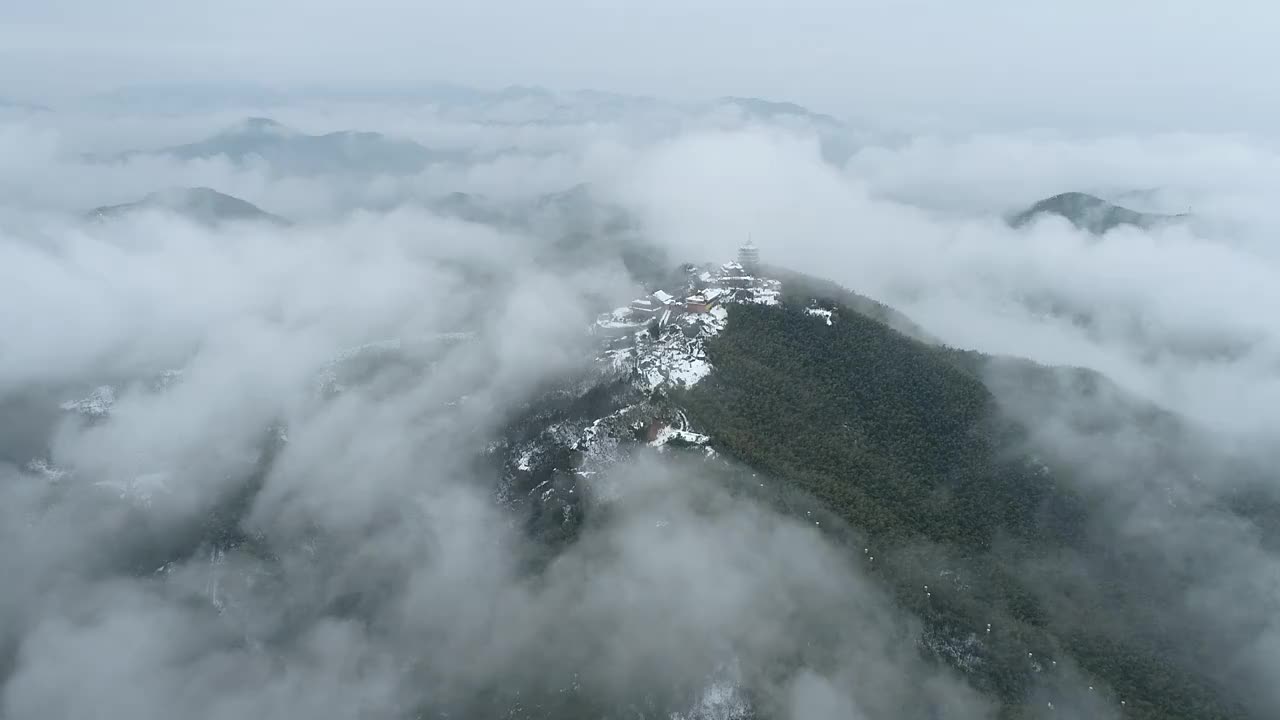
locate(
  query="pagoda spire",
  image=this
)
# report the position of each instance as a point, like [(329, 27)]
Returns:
[(749, 257)]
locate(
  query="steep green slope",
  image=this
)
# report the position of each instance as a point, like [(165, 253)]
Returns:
[(821, 405), (905, 442)]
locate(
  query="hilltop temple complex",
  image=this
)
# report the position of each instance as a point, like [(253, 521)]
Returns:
[(705, 289)]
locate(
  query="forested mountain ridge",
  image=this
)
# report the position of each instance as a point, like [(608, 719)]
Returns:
[(930, 466), (933, 464), (908, 444)]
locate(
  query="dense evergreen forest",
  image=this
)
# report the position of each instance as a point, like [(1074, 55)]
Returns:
[(906, 443)]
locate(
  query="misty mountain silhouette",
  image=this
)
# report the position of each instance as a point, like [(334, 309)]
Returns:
[(574, 225), (835, 141), (290, 151), (1090, 213), (24, 107), (771, 109), (199, 204), (576, 209)]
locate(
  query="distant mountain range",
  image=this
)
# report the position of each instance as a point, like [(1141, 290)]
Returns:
[(289, 151), (202, 205), (293, 152), (550, 103), (516, 105), (1090, 213)]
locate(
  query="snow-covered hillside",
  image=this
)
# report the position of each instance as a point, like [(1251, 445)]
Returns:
[(649, 349), (661, 338)]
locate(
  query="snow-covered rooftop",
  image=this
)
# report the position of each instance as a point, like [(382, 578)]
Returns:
[(679, 358)]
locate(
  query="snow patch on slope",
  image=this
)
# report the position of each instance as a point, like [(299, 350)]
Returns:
[(97, 405), (49, 473), (669, 434), (820, 312)]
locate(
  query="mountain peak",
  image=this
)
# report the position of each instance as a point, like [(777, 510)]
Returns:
[(260, 125), (769, 109), (1088, 212)]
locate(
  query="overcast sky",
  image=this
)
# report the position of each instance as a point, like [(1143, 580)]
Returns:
[(1141, 64)]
